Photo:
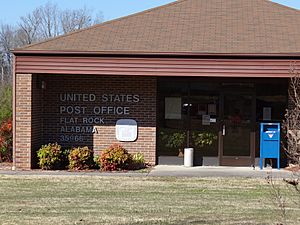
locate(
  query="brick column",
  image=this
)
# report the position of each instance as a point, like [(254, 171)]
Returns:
[(22, 157)]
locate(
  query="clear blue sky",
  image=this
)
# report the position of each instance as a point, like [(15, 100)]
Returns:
[(11, 10)]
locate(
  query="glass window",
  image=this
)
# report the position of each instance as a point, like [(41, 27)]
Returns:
[(271, 103), (188, 116)]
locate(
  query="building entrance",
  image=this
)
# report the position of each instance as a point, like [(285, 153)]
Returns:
[(219, 118), (237, 129)]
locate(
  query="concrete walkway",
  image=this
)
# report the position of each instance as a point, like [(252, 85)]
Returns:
[(218, 171), (170, 171)]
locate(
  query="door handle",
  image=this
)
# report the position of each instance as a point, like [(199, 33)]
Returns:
[(224, 130)]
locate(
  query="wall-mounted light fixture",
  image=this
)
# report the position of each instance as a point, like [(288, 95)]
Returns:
[(43, 85)]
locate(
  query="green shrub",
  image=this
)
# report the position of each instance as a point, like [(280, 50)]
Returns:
[(81, 158), (6, 141), (97, 162), (203, 139), (115, 158), (5, 102), (138, 161), (51, 157), (174, 140)]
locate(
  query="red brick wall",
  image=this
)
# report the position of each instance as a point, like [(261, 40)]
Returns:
[(29, 121), (38, 118), (144, 112), (22, 138)]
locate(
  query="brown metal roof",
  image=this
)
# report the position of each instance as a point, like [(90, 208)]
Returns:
[(190, 27)]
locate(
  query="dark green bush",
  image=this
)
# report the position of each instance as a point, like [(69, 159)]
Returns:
[(81, 158), (52, 156), (97, 162), (115, 158), (5, 102)]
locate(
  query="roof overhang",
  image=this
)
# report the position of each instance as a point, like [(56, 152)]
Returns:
[(159, 54)]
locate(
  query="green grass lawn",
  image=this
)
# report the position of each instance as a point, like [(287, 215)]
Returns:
[(140, 200)]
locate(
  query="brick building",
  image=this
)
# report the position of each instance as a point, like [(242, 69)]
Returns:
[(192, 67)]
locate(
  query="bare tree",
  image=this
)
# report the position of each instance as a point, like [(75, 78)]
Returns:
[(7, 42), (6, 37), (44, 22), (291, 145), (30, 27), (40, 24), (72, 20), (291, 123), (278, 199), (49, 22), (1, 68)]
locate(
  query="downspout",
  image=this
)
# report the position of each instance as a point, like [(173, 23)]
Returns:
[(14, 113)]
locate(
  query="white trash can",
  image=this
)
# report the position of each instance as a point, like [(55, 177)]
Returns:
[(188, 157)]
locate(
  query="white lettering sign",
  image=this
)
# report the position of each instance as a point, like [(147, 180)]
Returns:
[(78, 118)]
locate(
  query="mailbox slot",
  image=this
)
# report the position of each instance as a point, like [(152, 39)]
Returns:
[(270, 132), (270, 127)]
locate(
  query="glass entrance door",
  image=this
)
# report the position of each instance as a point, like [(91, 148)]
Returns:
[(236, 147)]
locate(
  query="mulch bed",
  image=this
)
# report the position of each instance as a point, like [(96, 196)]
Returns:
[(293, 168), (6, 165)]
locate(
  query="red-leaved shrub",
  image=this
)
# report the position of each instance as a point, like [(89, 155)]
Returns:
[(114, 158), (6, 141)]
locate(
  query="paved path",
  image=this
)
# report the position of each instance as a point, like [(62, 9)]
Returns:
[(218, 171), (175, 171)]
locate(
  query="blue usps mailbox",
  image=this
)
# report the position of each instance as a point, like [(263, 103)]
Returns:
[(269, 142)]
